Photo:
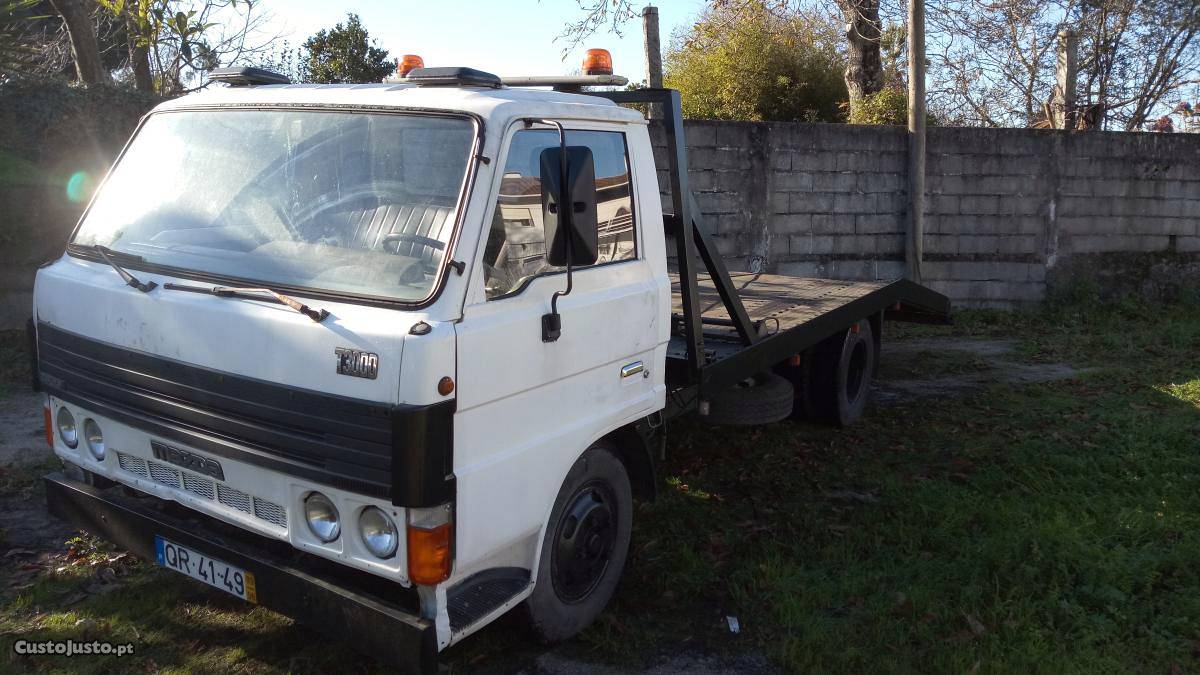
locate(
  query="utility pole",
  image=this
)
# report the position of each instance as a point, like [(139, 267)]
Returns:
[(1066, 77), (654, 78), (914, 250)]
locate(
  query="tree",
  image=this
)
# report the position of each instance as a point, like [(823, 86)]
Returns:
[(77, 17), (994, 62), (750, 63), (172, 43), (16, 49), (345, 53), (864, 62), (864, 26)]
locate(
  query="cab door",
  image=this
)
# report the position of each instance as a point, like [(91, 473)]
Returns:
[(527, 408)]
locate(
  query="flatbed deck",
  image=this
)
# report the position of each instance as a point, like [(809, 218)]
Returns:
[(779, 302), (790, 314)]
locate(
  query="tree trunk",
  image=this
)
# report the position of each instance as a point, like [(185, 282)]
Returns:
[(77, 16), (864, 73), (139, 61)]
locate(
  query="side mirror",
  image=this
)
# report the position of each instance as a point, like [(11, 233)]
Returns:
[(576, 224)]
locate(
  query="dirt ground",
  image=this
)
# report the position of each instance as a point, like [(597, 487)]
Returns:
[(31, 540)]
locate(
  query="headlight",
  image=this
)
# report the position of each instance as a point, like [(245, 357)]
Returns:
[(322, 517), (95, 439), (378, 532), (66, 428)]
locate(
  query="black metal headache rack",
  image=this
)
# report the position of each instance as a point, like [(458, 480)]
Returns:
[(715, 342)]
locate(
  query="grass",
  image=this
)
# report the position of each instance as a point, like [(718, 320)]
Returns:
[(1051, 527)]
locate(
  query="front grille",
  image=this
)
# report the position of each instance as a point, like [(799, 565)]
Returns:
[(201, 487), (264, 510), (270, 512), (233, 498), (164, 475), (132, 464)]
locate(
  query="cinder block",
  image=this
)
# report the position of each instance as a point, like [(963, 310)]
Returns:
[(854, 203), (941, 244), (812, 244), (889, 269), (700, 134), (880, 182), (1187, 244), (720, 158), (719, 202), (779, 202), (1018, 205), (977, 244), (781, 160), (890, 244), (877, 223), (812, 202), (979, 204), (942, 204), (734, 135), (793, 181), (729, 224), (833, 223), (779, 246), (791, 223), (817, 160), (801, 269), (844, 181)]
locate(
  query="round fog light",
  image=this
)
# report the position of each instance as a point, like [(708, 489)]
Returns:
[(322, 517), (95, 439), (66, 428), (378, 532)]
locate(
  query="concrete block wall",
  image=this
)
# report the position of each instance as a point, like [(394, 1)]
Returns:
[(1005, 208)]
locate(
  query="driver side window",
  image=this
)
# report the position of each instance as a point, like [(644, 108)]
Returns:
[(516, 245)]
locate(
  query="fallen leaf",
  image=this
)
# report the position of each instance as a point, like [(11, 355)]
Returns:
[(976, 625)]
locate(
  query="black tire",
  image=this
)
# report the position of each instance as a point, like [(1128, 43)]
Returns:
[(839, 378), (761, 399), (580, 567)]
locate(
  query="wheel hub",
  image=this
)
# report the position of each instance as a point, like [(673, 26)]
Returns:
[(584, 541)]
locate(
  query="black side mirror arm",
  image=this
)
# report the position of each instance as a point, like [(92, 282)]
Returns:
[(552, 322)]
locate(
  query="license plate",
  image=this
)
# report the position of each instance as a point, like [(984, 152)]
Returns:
[(215, 573)]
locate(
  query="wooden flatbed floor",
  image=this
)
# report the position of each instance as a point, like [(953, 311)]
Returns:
[(772, 298)]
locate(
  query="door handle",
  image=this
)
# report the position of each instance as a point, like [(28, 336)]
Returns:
[(632, 369)]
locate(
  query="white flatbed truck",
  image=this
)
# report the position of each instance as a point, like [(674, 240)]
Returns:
[(337, 350)]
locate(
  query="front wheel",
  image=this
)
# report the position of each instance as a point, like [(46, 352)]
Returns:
[(584, 547)]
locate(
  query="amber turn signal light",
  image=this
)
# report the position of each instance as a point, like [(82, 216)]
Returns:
[(429, 554), (446, 386), (597, 62), (408, 63), (49, 425)]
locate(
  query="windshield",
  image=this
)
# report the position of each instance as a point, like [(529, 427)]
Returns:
[(360, 203)]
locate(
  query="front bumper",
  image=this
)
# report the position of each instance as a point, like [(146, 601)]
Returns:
[(314, 592)]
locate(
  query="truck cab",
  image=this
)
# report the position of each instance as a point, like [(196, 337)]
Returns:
[(395, 358), (418, 406)]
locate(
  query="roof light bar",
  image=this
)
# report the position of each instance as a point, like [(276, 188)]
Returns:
[(452, 77), (243, 76)]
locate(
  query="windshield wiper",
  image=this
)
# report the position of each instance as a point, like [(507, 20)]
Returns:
[(106, 253), (317, 315)]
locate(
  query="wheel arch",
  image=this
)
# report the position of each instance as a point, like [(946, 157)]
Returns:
[(637, 444)]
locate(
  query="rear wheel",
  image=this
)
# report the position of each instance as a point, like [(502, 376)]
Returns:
[(584, 547), (839, 372)]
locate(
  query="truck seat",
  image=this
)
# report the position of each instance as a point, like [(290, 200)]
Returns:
[(365, 227)]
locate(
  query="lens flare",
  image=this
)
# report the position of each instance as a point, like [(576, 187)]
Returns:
[(78, 186)]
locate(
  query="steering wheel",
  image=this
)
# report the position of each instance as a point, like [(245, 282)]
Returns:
[(416, 239)]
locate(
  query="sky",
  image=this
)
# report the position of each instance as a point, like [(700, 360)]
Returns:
[(504, 37)]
